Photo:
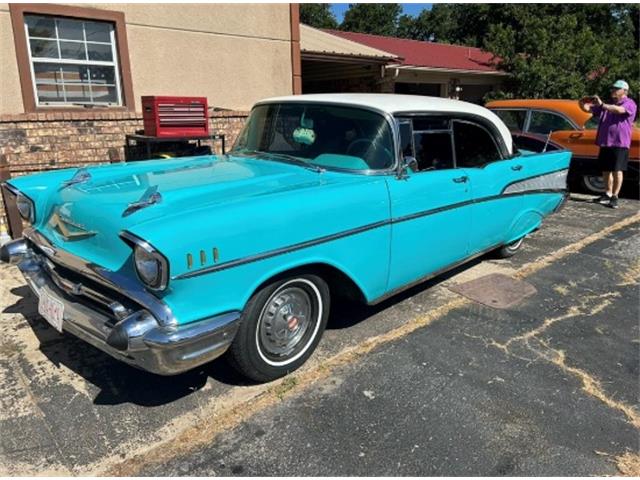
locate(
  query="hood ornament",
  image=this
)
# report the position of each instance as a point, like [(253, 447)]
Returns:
[(150, 197), (68, 228), (82, 175)]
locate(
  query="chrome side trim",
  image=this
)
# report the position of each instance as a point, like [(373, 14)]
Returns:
[(355, 231), (125, 285)]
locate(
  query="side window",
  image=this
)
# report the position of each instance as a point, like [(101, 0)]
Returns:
[(405, 138), (545, 122), (433, 150), (513, 119), (474, 145), (432, 143)]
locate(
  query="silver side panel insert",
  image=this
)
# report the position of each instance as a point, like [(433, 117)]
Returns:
[(550, 181)]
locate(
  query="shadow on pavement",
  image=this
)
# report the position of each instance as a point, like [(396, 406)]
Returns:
[(119, 383)]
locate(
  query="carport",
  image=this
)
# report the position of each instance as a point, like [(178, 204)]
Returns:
[(333, 64)]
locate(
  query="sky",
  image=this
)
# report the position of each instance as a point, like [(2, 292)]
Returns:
[(408, 8)]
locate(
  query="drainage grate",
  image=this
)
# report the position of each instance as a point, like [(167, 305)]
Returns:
[(495, 290)]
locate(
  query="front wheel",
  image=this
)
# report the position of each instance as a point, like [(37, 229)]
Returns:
[(594, 183), (281, 327), (510, 250)]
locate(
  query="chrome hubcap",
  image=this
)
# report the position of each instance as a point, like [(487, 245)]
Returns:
[(285, 320)]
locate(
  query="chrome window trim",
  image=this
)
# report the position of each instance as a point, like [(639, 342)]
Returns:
[(135, 241), (526, 111), (500, 153)]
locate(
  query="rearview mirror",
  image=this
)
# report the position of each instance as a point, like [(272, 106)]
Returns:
[(411, 163)]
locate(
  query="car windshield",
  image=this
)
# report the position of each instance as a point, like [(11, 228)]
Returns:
[(318, 136)]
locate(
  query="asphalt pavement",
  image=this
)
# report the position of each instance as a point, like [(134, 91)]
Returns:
[(427, 383)]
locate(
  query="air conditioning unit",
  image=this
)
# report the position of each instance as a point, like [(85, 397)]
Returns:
[(175, 116)]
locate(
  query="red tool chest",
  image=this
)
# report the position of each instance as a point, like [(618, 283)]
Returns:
[(175, 116)]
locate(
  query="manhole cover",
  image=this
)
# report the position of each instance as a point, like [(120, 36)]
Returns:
[(495, 290)]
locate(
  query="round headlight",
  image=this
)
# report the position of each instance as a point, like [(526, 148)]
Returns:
[(147, 265), (25, 207)]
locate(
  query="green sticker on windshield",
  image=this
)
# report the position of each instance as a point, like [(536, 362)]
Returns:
[(306, 136)]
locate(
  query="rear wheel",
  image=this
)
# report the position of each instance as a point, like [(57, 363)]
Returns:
[(594, 184), (281, 327), (510, 250)]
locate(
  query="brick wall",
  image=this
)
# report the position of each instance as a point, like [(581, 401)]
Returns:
[(35, 142)]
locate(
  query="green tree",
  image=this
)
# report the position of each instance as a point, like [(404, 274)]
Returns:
[(376, 18), (562, 50), (318, 15)]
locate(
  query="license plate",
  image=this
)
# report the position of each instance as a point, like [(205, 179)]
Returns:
[(51, 309)]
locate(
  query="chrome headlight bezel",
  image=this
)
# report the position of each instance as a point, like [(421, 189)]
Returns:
[(26, 207), (145, 252)]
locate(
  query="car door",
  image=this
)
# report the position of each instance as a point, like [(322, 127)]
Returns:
[(430, 207), (490, 171)]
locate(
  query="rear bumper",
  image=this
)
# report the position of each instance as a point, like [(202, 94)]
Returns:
[(131, 334)]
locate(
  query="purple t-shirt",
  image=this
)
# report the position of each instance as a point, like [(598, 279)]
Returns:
[(614, 129)]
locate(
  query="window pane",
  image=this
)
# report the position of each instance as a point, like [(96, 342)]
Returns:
[(72, 50), (405, 139), (546, 122), (47, 72), (433, 151), (75, 74), (78, 93), (430, 123), (98, 31), (40, 26), (513, 119), (99, 52), (104, 94), (69, 29), (44, 48), (50, 93), (100, 75), (474, 145)]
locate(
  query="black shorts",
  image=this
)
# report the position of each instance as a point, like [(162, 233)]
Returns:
[(613, 159)]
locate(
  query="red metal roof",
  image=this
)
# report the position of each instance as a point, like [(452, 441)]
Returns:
[(425, 54)]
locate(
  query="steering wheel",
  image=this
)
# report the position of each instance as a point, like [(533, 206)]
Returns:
[(369, 144)]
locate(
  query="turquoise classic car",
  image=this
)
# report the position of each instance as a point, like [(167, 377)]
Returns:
[(168, 264)]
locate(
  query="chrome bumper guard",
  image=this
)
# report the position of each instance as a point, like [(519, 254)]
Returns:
[(130, 332)]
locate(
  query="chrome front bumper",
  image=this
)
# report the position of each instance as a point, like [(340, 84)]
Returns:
[(123, 322)]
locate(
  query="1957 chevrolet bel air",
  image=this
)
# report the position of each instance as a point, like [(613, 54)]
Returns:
[(168, 264)]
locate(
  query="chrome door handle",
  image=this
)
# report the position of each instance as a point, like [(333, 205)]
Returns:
[(461, 179), (516, 167)]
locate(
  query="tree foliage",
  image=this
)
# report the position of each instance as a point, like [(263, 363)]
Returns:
[(560, 50), (318, 15), (376, 18)]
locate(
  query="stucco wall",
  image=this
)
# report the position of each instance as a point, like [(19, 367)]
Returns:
[(234, 54)]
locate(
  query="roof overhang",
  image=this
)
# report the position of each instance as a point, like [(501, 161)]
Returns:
[(322, 46), (416, 68)]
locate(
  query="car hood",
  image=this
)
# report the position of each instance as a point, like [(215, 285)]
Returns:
[(86, 218)]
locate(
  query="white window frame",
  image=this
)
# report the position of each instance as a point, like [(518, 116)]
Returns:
[(87, 63)]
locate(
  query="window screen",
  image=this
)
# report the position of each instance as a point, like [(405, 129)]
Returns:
[(73, 61)]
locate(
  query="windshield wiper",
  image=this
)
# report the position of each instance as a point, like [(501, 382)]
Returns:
[(285, 158)]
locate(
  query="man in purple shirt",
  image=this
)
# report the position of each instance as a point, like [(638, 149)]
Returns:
[(613, 137)]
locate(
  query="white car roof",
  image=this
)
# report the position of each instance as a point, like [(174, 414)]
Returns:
[(394, 103)]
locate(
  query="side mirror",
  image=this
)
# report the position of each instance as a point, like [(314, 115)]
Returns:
[(410, 163)]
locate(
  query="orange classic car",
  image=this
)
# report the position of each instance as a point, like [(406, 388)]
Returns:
[(564, 123)]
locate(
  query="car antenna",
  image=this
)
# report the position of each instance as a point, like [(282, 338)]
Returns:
[(546, 144)]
